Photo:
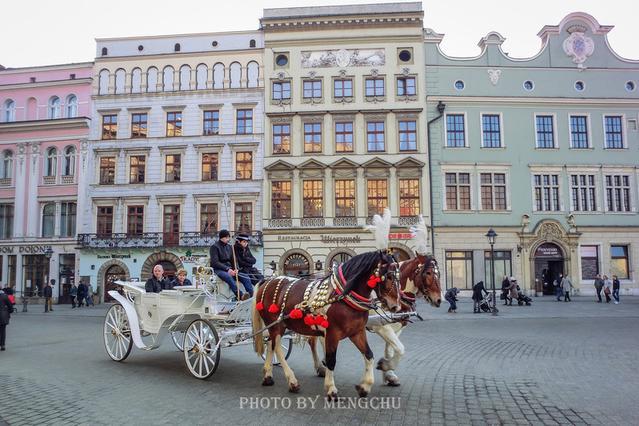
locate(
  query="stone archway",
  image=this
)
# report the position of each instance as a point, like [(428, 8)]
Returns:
[(340, 255), (102, 281), (401, 251), (154, 259), (296, 262)]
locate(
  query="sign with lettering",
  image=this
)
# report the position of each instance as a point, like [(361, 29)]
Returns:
[(548, 250), (114, 256), (400, 236), (6, 249), (293, 238), (329, 239), (194, 258), (33, 249)]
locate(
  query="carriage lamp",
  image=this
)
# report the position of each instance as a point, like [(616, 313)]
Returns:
[(48, 253), (318, 265), (492, 236), (273, 265)]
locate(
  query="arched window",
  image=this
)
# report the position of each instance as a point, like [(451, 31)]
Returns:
[(7, 165), (136, 80), (32, 109), (152, 79), (51, 163), (201, 76), (120, 75), (54, 107), (185, 77), (9, 111), (167, 79), (68, 168), (253, 74), (218, 76), (235, 74), (48, 220), (105, 51), (104, 82), (72, 106)]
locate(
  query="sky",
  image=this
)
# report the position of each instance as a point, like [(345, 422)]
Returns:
[(43, 32)]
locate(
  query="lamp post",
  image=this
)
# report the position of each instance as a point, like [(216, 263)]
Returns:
[(492, 236)]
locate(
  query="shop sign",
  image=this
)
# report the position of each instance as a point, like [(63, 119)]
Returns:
[(195, 258), (400, 236), (548, 250), (6, 249), (328, 239), (114, 256), (31, 249), (293, 238)]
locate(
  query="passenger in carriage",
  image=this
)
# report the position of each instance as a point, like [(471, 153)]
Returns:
[(223, 265), (180, 279), (157, 282), (246, 260)]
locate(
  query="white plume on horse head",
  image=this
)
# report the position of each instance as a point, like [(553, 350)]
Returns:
[(420, 235), (380, 227)]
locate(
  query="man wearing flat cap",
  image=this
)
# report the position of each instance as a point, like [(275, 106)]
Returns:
[(221, 255), (245, 259)]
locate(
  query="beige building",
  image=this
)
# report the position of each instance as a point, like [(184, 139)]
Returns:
[(345, 132)]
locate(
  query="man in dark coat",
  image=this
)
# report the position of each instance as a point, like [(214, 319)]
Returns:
[(48, 294), (5, 314), (82, 293), (478, 290), (245, 259), (221, 254), (157, 282)]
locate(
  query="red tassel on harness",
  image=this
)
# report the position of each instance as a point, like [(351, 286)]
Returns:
[(309, 320), (324, 323), (259, 306), (372, 281), (273, 308), (296, 314)]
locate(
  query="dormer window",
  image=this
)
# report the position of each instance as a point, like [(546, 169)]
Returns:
[(177, 47), (105, 51)]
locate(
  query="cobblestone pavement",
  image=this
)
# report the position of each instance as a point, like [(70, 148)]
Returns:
[(550, 363)]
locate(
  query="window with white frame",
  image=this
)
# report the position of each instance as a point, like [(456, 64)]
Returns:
[(455, 131), (72, 106), (6, 221), (374, 86), (613, 127), (617, 193), (407, 135), (406, 86), (493, 191), (589, 262), (312, 89), (6, 166), (583, 192), (54, 107), (619, 261), (491, 130), (375, 136), (208, 218), (579, 132), (281, 90), (545, 131), (546, 188), (68, 212), (68, 168), (457, 191), (48, 220), (51, 162), (9, 110), (459, 269)]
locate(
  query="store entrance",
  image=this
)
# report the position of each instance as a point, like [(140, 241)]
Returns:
[(549, 264)]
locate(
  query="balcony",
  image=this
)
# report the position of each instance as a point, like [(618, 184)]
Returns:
[(5, 182), (334, 222), (67, 179), (155, 239), (49, 180)]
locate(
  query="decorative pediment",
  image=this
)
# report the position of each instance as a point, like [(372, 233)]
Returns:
[(311, 164), (344, 163), (279, 165), (550, 230), (377, 163), (409, 163)]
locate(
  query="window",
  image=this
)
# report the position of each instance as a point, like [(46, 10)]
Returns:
[(244, 121), (407, 135), (208, 219), (614, 132), (107, 170), (460, 85), (172, 169), (68, 213), (618, 193), (579, 86), (344, 137), (313, 195), (377, 196), (493, 191), (209, 166), (282, 138), (48, 220), (244, 165), (343, 88), (244, 217), (345, 198), (171, 224), (137, 168), (281, 199), (455, 131), (72, 106), (312, 137), (174, 123), (6, 221), (109, 126), (491, 131), (589, 262), (281, 60), (105, 221), (458, 191), (139, 124), (503, 267), (529, 85), (406, 86), (579, 131), (619, 262), (135, 220), (51, 165), (583, 193), (374, 87), (546, 192), (6, 166), (69, 161), (54, 107), (408, 197), (211, 123), (312, 89), (545, 132), (459, 269), (9, 111), (281, 90), (375, 136), (630, 86)]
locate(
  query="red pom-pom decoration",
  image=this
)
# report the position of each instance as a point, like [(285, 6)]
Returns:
[(296, 314), (372, 281), (324, 324), (259, 306), (273, 308), (319, 319), (309, 320)]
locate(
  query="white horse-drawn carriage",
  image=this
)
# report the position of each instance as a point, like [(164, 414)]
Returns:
[(201, 320)]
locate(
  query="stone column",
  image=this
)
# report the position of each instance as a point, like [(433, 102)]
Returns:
[(393, 193), (35, 174), (57, 216), (329, 193), (5, 269), (20, 184), (296, 194), (19, 277), (361, 199)]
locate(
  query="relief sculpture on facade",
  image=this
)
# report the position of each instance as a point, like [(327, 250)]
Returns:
[(343, 58)]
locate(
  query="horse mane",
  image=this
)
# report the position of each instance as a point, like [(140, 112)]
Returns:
[(359, 267), (409, 271)]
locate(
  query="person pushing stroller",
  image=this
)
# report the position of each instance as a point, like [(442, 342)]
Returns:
[(478, 296), (451, 298)]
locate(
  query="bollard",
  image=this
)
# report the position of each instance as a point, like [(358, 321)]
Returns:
[(25, 302)]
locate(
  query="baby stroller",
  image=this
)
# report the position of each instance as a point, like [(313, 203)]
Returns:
[(522, 298), (486, 304)]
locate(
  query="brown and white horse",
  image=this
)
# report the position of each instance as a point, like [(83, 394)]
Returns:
[(344, 316)]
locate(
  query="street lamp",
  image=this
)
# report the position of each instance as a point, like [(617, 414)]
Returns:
[(273, 266), (492, 236), (48, 253), (318, 265)]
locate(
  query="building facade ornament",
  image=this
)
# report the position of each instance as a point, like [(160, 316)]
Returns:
[(494, 75), (579, 47), (343, 58)]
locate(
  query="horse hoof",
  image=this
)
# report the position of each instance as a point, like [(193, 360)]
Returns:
[(321, 372), (363, 393), (392, 382), (382, 364), (294, 387), (331, 396), (268, 381)]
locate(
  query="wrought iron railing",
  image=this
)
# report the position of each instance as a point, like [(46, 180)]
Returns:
[(156, 239)]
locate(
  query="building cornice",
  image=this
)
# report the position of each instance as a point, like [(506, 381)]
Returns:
[(120, 60), (53, 124), (48, 83), (341, 41), (529, 100), (39, 68)]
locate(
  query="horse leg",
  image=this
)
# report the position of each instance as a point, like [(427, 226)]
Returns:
[(320, 370), (293, 385), (395, 351), (368, 379), (268, 363), (330, 350)]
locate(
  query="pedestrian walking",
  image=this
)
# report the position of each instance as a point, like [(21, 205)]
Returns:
[(557, 284), (566, 286), (505, 290), (73, 293), (599, 283), (615, 288), (48, 295), (6, 308), (513, 290), (607, 287), (451, 298), (478, 290), (82, 293), (89, 298)]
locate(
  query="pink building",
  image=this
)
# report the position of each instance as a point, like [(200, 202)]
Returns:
[(44, 124)]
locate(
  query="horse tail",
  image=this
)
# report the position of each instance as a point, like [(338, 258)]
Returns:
[(258, 324)]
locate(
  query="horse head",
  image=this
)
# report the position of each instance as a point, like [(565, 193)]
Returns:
[(388, 289), (427, 280)]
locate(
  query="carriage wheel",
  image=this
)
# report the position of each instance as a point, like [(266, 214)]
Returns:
[(178, 339), (201, 353), (117, 333), (287, 346)]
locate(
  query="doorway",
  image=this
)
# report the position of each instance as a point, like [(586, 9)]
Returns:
[(549, 264), (113, 274)]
